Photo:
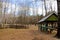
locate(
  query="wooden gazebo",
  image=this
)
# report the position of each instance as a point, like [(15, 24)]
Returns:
[(48, 23)]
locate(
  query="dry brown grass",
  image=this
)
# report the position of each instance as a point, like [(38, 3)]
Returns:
[(24, 34)]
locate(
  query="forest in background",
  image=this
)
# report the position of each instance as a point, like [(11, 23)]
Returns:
[(23, 16)]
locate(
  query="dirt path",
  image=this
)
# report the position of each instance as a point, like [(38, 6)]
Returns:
[(23, 34)]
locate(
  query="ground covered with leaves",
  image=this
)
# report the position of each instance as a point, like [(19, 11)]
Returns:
[(24, 34)]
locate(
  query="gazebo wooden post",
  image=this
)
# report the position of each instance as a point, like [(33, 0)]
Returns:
[(41, 26), (46, 26), (51, 27)]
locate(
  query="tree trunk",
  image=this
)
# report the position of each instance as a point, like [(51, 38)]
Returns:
[(58, 31), (45, 7)]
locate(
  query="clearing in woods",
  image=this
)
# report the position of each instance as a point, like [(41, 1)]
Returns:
[(24, 34)]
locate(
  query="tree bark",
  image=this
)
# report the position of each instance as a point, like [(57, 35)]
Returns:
[(58, 31)]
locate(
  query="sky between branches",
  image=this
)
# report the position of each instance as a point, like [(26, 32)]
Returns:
[(32, 4)]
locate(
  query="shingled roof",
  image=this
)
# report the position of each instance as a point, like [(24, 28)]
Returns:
[(43, 19)]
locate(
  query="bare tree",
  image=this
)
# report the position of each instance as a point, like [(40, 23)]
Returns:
[(58, 31), (1, 11), (45, 7), (51, 6)]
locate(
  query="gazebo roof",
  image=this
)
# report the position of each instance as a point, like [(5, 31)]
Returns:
[(43, 19)]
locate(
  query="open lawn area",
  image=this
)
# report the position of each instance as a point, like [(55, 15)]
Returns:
[(24, 34)]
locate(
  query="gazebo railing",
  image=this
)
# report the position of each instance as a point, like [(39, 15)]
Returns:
[(47, 28)]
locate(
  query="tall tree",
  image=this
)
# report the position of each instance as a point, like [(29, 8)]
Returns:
[(51, 6), (1, 10), (4, 12), (58, 31), (45, 7)]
